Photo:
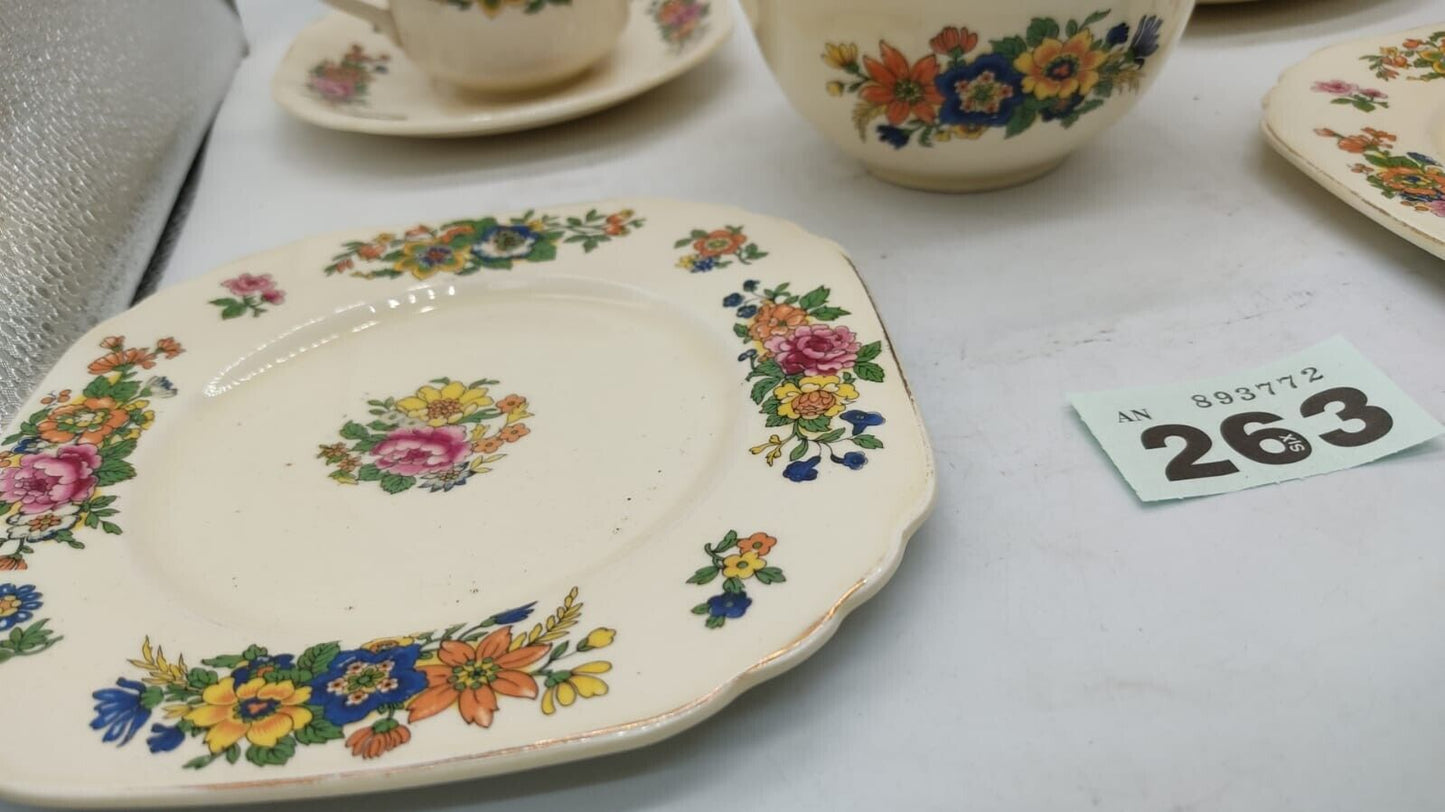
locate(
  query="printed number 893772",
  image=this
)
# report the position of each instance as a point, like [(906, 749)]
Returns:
[(1248, 393)]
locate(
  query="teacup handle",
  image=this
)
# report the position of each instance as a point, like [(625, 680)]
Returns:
[(379, 16)]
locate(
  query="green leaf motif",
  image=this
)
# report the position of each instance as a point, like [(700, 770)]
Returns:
[(394, 483), (1009, 47), (319, 731), (828, 313), (870, 351), (703, 575), (355, 431), (769, 575), (869, 371), (318, 658), (867, 441), (814, 298), (1040, 29), (113, 470)]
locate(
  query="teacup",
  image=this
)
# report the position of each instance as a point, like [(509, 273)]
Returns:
[(498, 45), (964, 95)]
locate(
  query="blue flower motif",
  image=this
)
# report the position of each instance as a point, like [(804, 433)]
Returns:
[(701, 264), (747, 311), (161, 387), (732, 605), (1421, 157), (985, 92), (747, 355), (26, 445), (861, 421), (897, 137), (853, 459), (358, 682), (1118, 35), (260, 665), (732, 300), (17, 604), (165, 738), (1061, 108), (1146, 38), (750, 285), (803, 470), (505, 242), (517, 615), (447, 479), (120, 711)]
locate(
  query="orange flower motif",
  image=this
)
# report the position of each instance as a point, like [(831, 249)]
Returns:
[(759, 543), (1061, 69), (113, 342), (1381, 136), (142, 358), (382, 737), (1429, 182), (471, 678), (774, 319), (902, 89), (514, 432), (370, 251), (954, 39), (509, 404), (169, 347), (490, 445), (13, 562), (1356, 143), (92, 420), (720, 242), (59, 397)]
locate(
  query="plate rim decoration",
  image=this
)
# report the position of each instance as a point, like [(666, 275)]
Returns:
[(1350, 95), (134, 734), (684, 52)]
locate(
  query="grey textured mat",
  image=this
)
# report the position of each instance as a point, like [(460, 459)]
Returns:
[(103, 104)]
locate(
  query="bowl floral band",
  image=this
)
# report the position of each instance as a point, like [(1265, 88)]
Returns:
[(464, 247), (348, 80), (959, 91), (680, 21), (494, 7), (264, 705), (806, 370), (438, 437), (1414, 179), (737, 560)]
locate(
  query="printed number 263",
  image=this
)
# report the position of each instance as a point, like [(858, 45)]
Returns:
[(1288, 446)]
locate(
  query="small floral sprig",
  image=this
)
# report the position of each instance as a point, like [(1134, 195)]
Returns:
[(735, 567), (18, 605), (805, 372), (1366, 99), (680, 21), (1051, 73), (1427, 54), (250, 295), (437, 438), (264, 706), (464, 247), (346, 81), (1414, 179), (64, 455), (494, 7), (717, 249)]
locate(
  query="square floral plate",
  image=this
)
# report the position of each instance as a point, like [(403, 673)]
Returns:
[(1366, 120), (380, 509), (343, 75)]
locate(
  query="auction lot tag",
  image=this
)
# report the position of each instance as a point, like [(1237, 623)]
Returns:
[(1322, 410)]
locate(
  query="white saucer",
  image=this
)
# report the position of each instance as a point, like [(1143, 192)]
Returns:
[(343, 75)]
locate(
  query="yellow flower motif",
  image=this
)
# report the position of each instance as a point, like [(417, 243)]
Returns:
[(816, 396), (580, 681), (1061, 69), (261, 712), (598, 638), (423, 259), (383, 643), (742, 566), (840, 55), (441, 407), (835, 88)]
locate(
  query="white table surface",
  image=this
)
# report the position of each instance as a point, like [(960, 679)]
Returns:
[(1049, 642)]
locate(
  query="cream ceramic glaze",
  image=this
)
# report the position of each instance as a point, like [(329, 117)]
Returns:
[(509, 50), (1317, 117), (626, 353), (793, 35)]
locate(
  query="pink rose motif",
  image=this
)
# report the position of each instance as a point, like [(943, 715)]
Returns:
[(678, 14), (332, 89), (1338, 87), (1436, 207), (246, 284), (274, 296), (412, 451), (1371, 93), (49, 479), (814, 349)]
